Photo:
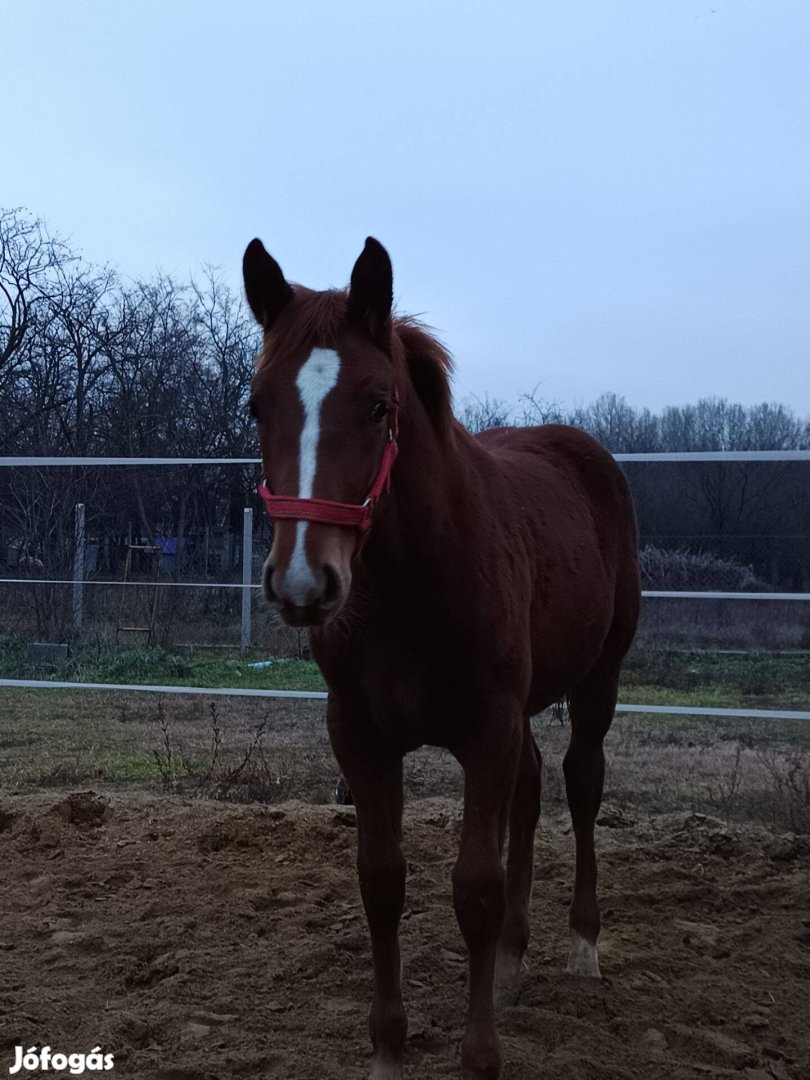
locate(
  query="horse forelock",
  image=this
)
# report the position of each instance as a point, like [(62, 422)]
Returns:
[(315, 319), (311, 319)]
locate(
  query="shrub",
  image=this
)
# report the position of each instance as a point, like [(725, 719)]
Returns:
[(690, 571)]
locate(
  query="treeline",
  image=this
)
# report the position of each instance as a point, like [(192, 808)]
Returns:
[(711, 424), (94, 364), (752, 515)]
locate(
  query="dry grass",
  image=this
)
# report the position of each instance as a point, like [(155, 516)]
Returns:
[(729, 624), (193, 617), (246, 750), (205, 617)]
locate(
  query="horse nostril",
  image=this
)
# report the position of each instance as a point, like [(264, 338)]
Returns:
[(332, 590)]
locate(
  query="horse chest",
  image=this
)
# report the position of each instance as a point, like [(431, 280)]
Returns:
[(396, 684), (419, 695)]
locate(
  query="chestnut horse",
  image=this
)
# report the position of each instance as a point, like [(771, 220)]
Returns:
[(454, 586)]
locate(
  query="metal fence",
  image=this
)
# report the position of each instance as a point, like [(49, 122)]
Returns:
[(241, 562)]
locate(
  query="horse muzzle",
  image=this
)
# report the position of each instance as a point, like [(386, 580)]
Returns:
[(304, 600)]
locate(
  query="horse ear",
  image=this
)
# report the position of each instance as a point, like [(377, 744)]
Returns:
[(266, 290), (371, 293)]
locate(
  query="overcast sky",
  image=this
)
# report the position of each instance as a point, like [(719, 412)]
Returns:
[(580, 196)]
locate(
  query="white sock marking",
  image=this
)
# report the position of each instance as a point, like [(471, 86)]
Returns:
[(318, 375), (583, 958)]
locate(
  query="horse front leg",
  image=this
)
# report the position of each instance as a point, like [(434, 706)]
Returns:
[(374, 775), (489, 760)]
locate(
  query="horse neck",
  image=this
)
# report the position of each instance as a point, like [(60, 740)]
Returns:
[(430, 474)]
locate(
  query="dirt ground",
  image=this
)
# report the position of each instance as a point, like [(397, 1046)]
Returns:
[(202, 941)]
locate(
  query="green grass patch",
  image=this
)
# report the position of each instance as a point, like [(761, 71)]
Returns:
[(157, 667), (127, 767), (652, 675), (691, 667), (710, 696), (670, 676)]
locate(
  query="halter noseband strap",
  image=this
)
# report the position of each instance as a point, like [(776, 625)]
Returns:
[(327, 512)]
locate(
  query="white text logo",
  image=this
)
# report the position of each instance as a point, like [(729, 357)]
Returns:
[(45, 1060)]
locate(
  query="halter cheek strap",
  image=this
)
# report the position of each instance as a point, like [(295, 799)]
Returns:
[(327, 512)]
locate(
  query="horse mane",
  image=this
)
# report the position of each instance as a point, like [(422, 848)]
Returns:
[(317, 318), (429, 366)]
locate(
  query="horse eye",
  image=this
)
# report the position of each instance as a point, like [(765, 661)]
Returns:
[(378, 412)]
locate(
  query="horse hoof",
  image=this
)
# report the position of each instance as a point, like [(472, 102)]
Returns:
[(385, 1070), (507, 980), (583, 960), (481, 1061)]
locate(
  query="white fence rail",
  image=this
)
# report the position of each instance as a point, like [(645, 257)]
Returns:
[(671, 594), (676, 455), (321, 695)]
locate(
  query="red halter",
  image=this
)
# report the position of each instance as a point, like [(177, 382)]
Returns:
[(327, 512)]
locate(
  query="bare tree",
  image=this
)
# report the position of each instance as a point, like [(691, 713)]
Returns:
[(78, 335), (29, 258), (480, 414), (535, 410), (27, 255), (619, 426)]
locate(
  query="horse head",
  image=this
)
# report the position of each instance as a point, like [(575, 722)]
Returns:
[(324, 397)]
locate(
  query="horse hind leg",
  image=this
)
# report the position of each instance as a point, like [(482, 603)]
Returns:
[(592, 704), (523, 817)]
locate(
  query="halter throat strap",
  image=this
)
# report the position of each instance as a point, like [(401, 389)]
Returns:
[(327, 512)]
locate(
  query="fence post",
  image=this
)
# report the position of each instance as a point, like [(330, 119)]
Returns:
[(247, 574), (78, 566)]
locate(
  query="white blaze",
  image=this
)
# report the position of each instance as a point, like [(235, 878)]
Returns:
[(318, 375)]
